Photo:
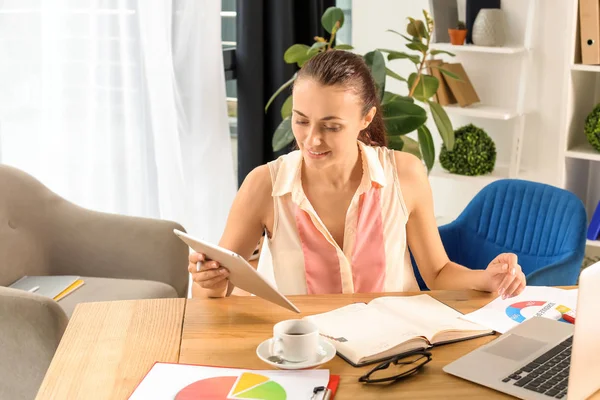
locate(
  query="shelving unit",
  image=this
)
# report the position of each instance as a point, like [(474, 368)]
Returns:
[(482, 111), (580, 172), (588, 68), (514, 116), (478, 49), (583, 152), (505, 81), (593, 243)]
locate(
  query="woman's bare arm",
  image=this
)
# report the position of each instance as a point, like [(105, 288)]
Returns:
[(250, 211), (423, 236)]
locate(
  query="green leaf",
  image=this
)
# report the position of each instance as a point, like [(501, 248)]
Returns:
[(404, 36), (296, 53), (436, 52), (411, 146), (304, 60), (448, 73), (442, 122), (426, 87), (426, 146), (286, 108), (394, 55), (314, 49), (330, 17), (395, 142), (417, 46), (388, 97), (281, 89), (283, 135), (394, 75), (416, 28), (402, 117), (376, 63), (344, 47)]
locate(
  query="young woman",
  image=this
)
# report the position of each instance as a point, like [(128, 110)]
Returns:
[(340, 211)]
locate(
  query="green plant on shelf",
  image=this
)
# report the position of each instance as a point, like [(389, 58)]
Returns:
[(592, 127), (474, 152), (401, 114)]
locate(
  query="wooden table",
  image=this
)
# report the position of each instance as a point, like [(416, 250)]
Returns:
[(108, 347)]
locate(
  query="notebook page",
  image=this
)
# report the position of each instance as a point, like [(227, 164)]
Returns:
[(360, 331), (428, 314)]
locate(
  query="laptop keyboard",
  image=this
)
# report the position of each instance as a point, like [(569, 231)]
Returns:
[(547, 374)]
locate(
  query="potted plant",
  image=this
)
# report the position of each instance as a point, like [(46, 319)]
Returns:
[(592, 127), (474, 152), (458, 35), (401, 114)]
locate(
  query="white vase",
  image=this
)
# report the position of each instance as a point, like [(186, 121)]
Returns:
[(488, 28)]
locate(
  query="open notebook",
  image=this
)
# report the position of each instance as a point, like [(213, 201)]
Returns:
[(389, 326)]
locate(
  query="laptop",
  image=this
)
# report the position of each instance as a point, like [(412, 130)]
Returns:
[(543, 358)]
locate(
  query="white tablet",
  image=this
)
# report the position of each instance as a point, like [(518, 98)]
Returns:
[(241, 273)]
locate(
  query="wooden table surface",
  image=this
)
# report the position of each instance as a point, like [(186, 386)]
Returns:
[(108, 347), (226, 333)]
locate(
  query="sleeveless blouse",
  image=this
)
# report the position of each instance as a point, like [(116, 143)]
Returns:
[(301, 257)]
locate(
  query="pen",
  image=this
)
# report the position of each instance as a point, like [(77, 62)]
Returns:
[(33, 289), (327, 395)]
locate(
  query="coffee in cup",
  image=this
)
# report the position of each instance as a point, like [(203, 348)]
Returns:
[(295, 340)]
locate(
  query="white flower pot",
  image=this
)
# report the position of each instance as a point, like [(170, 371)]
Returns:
[(489, 28)]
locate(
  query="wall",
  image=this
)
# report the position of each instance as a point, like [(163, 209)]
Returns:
[(495, 77)]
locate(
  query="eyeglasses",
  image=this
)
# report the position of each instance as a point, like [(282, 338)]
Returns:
[(407, 364)]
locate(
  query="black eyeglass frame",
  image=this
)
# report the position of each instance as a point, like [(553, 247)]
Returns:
[(398, 360)]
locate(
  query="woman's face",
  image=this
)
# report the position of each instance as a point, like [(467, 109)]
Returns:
[(326, 121)]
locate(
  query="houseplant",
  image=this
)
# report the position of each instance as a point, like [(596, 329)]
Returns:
[(474, 152), (592, 127), (401, 114), (459, 34)]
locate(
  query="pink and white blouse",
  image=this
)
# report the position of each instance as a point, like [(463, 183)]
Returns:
[(302, 257)]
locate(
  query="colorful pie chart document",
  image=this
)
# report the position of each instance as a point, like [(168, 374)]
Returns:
[(540, 301), (167, 381)]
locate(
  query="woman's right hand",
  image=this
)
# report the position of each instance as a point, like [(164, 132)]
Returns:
[(208, 273)]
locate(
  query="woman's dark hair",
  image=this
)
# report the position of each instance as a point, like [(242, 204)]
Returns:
[(339, 67)]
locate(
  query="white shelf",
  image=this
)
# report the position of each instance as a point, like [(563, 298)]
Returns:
[(477, 49), (583, 152), (500, 172), (481, 111), (593, 243), (584, 67)]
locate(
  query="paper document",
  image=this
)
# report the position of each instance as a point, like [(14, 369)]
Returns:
[(541, 301), (183, 382)]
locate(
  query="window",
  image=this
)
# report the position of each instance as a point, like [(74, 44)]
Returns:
[(228, 40), (228, 16), (344, 35)]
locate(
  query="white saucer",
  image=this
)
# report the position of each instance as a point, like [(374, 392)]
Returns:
[(325, 353)]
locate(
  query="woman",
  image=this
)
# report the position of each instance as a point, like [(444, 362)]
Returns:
[(340, 211)]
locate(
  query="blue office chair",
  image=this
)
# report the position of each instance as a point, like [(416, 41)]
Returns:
[(543, 225)]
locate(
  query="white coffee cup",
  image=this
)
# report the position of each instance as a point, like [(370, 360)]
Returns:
[(295, 340)]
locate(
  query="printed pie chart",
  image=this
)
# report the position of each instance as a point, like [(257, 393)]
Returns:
[(247, 386), (523, 310)]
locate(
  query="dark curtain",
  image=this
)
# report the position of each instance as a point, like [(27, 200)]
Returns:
[(265, 29)]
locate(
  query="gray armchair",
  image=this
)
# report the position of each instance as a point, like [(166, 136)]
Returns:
[(118, 257)]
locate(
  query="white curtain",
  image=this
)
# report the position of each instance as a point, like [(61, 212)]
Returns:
[(119, 105)]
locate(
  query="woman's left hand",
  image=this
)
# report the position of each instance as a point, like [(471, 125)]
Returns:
[(504, 275)]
